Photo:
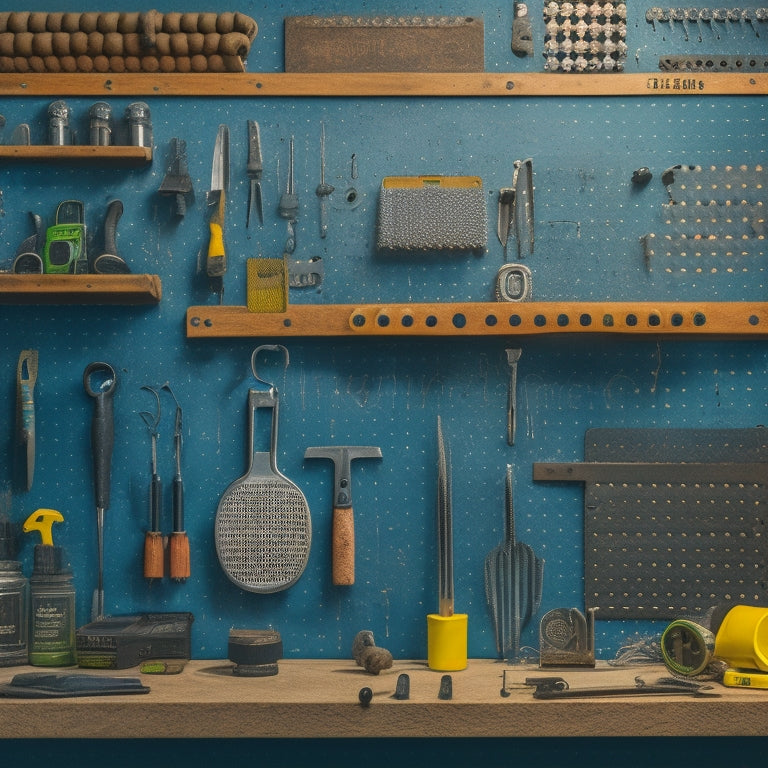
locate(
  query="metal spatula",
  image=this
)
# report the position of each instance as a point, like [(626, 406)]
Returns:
[(263, 529)]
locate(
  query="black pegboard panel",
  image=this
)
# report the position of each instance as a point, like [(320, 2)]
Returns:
[(658, 549)]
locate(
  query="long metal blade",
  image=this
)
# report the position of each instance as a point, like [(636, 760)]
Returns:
[(255, 165), (220, 166), (444, 527)]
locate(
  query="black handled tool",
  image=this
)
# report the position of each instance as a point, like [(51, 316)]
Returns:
[(154, 555), (179, 566), (100, 381)]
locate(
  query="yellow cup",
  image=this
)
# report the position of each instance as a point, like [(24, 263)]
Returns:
[(447, 642), (742, 639)]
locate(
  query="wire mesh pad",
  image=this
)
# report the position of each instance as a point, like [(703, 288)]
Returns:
[(659, 549), (263, 534)]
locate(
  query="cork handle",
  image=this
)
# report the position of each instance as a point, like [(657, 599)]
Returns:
[(343, 566), (179, 568), (154, 555)]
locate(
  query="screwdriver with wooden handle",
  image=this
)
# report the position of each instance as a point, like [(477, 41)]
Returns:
[(179, 560), (154, 554)]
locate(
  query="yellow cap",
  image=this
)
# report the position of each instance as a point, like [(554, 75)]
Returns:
[(447, 642), (42, 520)]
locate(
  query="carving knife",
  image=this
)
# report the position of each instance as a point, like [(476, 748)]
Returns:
[(216, 261)]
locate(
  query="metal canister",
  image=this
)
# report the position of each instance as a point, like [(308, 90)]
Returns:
[(59, 131), (139, 123), (100, 115)]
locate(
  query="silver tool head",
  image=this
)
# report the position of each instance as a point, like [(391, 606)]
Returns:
[(220, 166), (342, 457)]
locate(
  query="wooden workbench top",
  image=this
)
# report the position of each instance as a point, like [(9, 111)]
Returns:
[(319, 698)]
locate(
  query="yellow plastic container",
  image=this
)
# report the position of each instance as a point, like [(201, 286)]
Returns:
[(447, 642), (742, 639)]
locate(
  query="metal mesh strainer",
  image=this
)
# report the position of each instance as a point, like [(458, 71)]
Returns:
[(262, 529)]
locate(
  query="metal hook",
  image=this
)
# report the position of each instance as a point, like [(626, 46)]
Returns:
[(148, 418), (177, 431), (177, 422), (270, 348)]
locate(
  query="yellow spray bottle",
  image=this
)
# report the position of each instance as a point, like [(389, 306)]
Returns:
[(52, 597)]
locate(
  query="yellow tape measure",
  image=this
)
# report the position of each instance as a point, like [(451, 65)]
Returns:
[(739, 678)]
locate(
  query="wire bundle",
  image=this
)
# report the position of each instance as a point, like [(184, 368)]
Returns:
[(124, 42), (582, 37)]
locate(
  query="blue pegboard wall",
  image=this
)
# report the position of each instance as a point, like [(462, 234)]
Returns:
[(589, 223)]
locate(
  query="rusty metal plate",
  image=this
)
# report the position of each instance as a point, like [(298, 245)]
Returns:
[(384, 44)]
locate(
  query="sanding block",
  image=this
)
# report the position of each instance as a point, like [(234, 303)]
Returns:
[(347, 43), (432, 213)]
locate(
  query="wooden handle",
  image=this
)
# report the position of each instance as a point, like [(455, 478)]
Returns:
[(154, 557), (179, 567), (343, 566)]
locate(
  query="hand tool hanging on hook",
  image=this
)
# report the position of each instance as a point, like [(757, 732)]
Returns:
[(513, 356), (154, 554), (343, 539), (288, 206), (177, 182), (100, 381), (179, 560), (254, 170), (216, 260), (323, 190), (26, 377), (263, 530)]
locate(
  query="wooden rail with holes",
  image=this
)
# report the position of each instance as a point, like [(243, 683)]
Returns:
[(265, 84), (692, 319)]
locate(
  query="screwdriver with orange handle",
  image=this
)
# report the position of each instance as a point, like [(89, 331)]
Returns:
[(154, 554)]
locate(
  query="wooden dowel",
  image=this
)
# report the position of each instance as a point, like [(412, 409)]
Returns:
[(60, 42), (225, 22), (128, 22), (54, 20), (37, 21), (70, 22), (89, 21), (108, 22), (17, 21)]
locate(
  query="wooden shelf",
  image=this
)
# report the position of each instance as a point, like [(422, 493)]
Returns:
[(30, 153), (80, 289), (446, 84), (690, 319), (319, 699)]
